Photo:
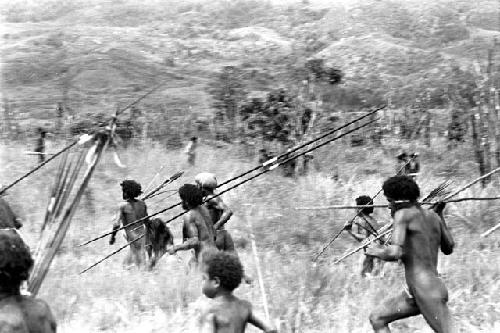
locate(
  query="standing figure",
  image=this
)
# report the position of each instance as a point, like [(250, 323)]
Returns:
[(226, 313), (19, 313), (402, 158), (191, 150), (416, 239), (40, 145), (413, 166), (220, 213), (362, 227), (133, 209), (197, 229)]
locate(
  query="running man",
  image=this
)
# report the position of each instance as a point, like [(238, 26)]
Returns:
[(417, 237)]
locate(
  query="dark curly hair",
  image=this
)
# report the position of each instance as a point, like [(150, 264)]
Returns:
[(15, 258), (401, 188), (131, 188), (191, 194), (364, 200), (225, 266)]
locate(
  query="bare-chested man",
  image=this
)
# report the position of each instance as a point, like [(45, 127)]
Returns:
[(197, 229), (417, 237), (219, 212), (133, 209), (222, 273), (363, 226), (18, 313)]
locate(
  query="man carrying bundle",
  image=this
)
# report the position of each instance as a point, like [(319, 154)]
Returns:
[(418, 235)]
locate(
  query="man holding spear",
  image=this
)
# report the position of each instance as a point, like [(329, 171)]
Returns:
[(418, 234)]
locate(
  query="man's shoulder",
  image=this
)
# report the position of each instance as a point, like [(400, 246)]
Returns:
[(14, 311), (243, 304)]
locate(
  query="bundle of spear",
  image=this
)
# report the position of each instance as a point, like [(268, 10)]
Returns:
[(430, 199), (264, 168), (62, 205)]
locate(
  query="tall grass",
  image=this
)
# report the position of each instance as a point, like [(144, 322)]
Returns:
[(302, 297)]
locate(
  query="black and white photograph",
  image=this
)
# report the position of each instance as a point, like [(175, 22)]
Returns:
[(231, 166)]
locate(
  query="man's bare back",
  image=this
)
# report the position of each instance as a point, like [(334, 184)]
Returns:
[(228, 314), (131, 211), (417, 237), (24, 314), (198, 225), (222, 273)]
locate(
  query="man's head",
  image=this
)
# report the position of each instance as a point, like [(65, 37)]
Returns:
[(15, 259), (194, 139), (401, 188), (42, 132), (364, 200), (206, 181), (402, 157), (131, 189), (222, 271), (191, 196)]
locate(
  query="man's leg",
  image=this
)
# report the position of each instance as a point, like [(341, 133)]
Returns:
[(395, 308), (433, 306)]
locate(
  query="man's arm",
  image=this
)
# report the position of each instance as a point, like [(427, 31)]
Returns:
[(116, 225), (257, 322), (191, 233), (217, 203), (447, 242), (394, 251)]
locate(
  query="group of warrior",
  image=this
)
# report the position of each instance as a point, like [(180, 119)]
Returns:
[(418, 235)]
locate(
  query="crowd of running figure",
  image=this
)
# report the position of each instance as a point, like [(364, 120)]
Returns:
[(417, 236)]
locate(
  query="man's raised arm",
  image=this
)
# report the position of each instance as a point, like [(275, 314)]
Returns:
[(447, 242), (217, 203)]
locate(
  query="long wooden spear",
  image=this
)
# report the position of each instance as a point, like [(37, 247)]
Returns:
[(388, 226), (386, 205), (53, 242), (330, 242), (266, 166), (55, 155), (27, 174), (278, 163)]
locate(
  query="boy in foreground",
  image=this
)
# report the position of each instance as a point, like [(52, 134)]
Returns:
[(417, 236), (222, 273), (19, 314)]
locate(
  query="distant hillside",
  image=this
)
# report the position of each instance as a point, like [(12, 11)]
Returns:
[(93, 55)]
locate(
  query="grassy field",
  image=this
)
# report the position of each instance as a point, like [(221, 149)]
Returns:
[(303, 298)]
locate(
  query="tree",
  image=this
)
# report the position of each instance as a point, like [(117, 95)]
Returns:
[(227, 90)]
